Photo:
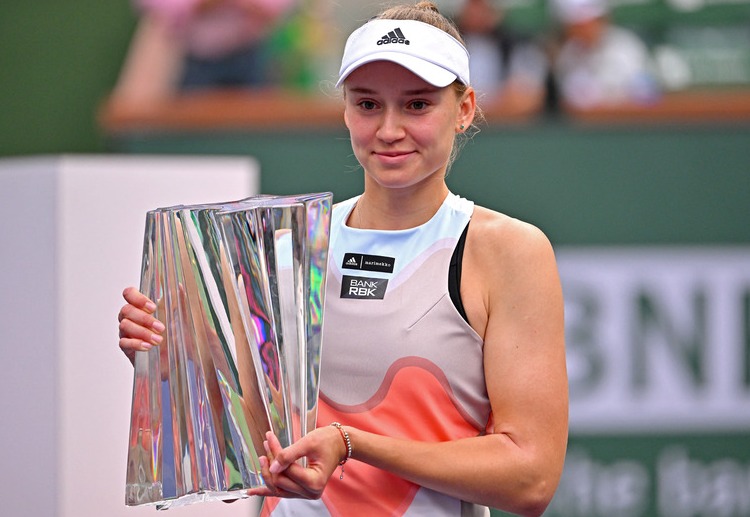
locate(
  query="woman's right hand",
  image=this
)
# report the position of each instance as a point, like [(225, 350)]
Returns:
[(139, 329)]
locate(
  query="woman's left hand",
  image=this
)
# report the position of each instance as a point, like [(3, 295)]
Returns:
[(285, 477)]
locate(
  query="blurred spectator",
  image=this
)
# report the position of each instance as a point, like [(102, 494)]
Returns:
[(598, 63), (197, 44), (504, 66)]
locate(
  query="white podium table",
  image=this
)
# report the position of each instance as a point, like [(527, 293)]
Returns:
[(71, 237)]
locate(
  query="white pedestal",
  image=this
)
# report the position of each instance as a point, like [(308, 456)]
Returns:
[(71, 236)]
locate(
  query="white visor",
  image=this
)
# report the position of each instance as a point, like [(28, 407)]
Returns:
[(429, 52)]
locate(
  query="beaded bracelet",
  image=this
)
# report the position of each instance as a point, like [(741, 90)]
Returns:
[(347, 443)]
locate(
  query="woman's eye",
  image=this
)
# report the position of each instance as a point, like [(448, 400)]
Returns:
[(368, 105), (418, 105)]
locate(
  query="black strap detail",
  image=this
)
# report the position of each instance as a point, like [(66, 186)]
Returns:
[(454, 275)]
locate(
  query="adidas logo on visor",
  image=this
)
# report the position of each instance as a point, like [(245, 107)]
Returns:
[(431, 53), (395, 36)]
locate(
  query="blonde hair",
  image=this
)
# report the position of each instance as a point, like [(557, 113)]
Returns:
[(425, 12)]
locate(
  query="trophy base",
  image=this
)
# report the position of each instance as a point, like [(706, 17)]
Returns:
[(151, 495)]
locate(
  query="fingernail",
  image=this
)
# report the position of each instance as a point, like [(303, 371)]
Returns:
[(158, 326), (150, 306), (146, 346), (275, 468), (156, 339)]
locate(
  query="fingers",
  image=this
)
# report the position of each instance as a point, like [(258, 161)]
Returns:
[(139, 330), (139, 310), (135, 336), (136, 324), (272, 445), (267, 447), (137, 299), (278, 485), (287, 487), (281, 458), (316, 446), (285, 476), (291, 476)]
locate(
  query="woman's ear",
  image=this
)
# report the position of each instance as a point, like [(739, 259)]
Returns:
[(467, 107)]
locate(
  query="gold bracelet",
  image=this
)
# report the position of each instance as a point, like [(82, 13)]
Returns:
[(347, 444)]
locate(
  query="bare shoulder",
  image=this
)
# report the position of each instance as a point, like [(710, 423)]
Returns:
[(498, 238), (508, 263)]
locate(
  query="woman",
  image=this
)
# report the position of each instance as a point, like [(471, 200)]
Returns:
[(443, 381)]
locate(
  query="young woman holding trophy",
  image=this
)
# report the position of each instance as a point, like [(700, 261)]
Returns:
[(443, 379)]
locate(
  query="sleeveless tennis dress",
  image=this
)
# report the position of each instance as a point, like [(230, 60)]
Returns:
[(398, 360)]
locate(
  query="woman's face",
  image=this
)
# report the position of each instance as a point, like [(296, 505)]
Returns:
[(402, 128)]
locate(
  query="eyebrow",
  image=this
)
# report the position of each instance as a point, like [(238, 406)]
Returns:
[(419, 91)]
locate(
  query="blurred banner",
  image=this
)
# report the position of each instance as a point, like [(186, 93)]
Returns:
[(240, 288), (658, 345)]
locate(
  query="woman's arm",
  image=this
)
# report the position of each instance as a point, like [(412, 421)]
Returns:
[(512, 294)]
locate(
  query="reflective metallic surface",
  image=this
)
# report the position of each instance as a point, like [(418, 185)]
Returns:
[(240, 287)]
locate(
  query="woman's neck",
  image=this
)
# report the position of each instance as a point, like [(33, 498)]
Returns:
[(397, 209)]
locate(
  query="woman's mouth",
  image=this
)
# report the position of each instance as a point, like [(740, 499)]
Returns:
[(393, 156)]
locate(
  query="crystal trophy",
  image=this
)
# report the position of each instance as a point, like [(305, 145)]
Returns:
[(240, 288)]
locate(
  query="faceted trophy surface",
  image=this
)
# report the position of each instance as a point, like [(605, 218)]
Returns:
[(240, 287)]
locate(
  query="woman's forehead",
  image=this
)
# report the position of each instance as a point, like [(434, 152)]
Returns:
[(375, 73)]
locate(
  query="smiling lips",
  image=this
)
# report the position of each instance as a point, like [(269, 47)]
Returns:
[(391, 159), (392, 154)]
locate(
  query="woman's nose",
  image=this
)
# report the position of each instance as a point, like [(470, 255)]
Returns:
[(391, 127)]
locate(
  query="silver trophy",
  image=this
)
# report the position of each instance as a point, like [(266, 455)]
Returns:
[(240, 287)]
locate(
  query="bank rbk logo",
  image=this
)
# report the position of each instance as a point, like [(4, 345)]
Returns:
[(363, 288)]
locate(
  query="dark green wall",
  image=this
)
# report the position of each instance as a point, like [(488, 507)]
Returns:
[(58, 59), (600, 185)]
